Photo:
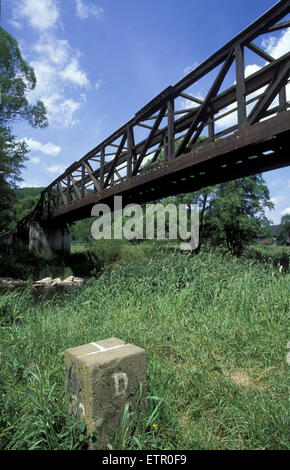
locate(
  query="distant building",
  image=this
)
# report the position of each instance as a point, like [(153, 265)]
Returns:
[(273, 241)]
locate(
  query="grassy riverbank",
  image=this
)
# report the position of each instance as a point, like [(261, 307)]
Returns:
[(213, 327)]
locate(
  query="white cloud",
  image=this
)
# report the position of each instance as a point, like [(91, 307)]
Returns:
[(83, 10), (55, 50), (56, 67), (35, 160), (98, 84), (269, 43), (56, 169), (280, 209), (45, 76), (32, 183), (279, 200), (73, 74), (67, 109), (47, 149), (277, 47), (40, 14), (15, 23), (286, 211), (252, 68), (56, 64), (60, 110)]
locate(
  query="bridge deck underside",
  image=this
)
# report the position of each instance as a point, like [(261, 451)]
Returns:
[(258, 148)]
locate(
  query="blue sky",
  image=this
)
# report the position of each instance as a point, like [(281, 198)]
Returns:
[(98, 62)]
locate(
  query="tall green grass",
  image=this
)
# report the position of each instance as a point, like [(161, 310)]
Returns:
[(214, 330)]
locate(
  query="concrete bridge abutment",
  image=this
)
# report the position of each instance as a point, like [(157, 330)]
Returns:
[(52, 239)]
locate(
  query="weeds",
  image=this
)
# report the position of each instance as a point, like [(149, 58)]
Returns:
[(275, 256), (214, 331)]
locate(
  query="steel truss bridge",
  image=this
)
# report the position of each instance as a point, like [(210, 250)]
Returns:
[(170, 157)]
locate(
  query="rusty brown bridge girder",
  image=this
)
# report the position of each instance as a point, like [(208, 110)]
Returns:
[(256, 141), (268, 142)]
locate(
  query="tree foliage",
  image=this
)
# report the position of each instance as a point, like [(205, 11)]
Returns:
[(17, 79), (234, 212), (284, 230), (231, 213)]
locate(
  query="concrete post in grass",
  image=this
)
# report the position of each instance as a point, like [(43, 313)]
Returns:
[(100, 379)]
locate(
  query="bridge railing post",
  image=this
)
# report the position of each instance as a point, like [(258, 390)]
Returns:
[(68, 191), (241, 90), (57, 197), (102, 165), (282, 100), (170, 131), (83, 188), (211, 126), (49, 202), (130, 139), (113, 179)]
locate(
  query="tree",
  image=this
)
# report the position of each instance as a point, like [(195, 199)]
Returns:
[(24, 206), (81, 230), (233, 213), (17, 79), (283, 232)]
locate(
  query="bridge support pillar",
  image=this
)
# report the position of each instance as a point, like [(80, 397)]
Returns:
[(49, 239)]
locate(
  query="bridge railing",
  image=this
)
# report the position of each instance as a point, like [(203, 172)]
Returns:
[(172, 123)]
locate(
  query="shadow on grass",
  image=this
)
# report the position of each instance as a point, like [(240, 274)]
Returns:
[(25, 265)]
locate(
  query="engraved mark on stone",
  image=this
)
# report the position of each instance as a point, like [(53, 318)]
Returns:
[(121, 383)]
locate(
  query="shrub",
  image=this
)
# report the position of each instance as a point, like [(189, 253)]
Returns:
[(272, 255)]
